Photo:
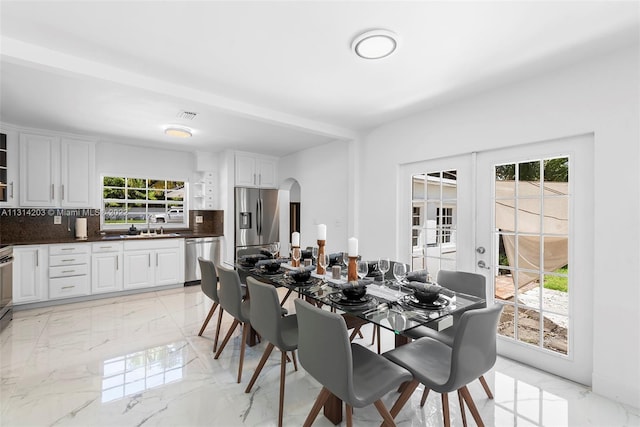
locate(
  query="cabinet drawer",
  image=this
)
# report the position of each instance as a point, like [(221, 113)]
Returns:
[(106, 247), (71, 259), (64, 287), (81, 248), (68, 270)]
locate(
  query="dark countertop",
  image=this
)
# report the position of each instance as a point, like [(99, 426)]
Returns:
[(112, 237)]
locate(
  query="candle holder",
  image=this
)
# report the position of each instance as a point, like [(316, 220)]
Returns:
[(352, 269), (295, 263), (321, 243)]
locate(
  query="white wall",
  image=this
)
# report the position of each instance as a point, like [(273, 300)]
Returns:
[(130, 160), (599, 96), (322, 173)]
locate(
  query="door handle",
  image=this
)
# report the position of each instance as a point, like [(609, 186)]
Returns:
[(62, 192), (11, 193), (480, 250), (483, 264)]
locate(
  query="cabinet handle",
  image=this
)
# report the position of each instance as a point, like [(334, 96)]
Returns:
[(62, 191), (68, 271), (68, 287), (38, 258), (156, 259), (11, 193), (67, 249), (254, 179), (260, 179), (117, 263), (105, 247), (68, 260), (52, 192), (149, 259)]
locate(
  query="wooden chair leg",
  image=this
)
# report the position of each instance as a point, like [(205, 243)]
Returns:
[(462, 410), (319, 403), (487, 390), (445, 410), (472, 406), (283, 363), (377, 332), (295, 362), (234, 325), (263, 360), (355, 332), (425, 393), (206, 321), (245, 334), (286, 297), (349, 412), (386, 416), (403, 398), (215, 341)]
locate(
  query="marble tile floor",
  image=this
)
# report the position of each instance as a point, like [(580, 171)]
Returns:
[(137, 361)]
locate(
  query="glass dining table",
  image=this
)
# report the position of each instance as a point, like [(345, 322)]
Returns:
[(385, 304)]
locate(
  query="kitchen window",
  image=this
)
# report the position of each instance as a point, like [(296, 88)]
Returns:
[(128, 201)]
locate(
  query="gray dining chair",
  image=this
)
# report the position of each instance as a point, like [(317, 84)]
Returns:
[(231, 301), (444, 368), (349, 371), (462, 282), (209, 286), (279, 331)]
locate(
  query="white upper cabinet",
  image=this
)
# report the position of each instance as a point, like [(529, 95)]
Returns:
[(253, 170), (56, 172)]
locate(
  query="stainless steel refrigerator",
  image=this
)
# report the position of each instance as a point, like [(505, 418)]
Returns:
[(256, 218)]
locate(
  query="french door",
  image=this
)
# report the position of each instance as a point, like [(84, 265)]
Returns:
[(523, 218)]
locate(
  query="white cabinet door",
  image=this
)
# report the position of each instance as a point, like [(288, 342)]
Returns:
[(267, 173), (39, 167), (28, 274), (168, 266), (106, 272), (138, 269), (246, 175), (76, 173)]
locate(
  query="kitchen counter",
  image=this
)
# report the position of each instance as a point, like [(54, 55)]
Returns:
[(115, 237)]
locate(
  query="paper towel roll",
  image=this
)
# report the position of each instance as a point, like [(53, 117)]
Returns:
[(81, 228)]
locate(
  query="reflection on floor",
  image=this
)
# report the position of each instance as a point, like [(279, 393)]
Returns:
[(137, 360)]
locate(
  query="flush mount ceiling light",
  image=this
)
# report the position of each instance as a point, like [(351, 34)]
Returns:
[(375, 44), (178, 131)]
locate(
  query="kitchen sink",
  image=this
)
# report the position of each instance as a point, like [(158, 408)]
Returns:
[(139, 236)]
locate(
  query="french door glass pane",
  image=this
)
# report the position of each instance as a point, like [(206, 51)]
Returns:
[(434, 221), (532, 235)]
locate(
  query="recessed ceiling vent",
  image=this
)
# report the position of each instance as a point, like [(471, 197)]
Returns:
[(187, 115)]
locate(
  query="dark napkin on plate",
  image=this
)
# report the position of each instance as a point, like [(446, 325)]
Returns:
[(351, 285), (308, 268), (418, 276), (271, 261), (424, 287), (335, 259)]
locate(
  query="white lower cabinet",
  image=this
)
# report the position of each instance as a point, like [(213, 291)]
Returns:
[(106, 267), (29, 274), (150, 263), (49, 272)]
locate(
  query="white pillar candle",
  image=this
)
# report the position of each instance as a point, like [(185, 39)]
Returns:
[(353, 247), (295, 239), (322, 232)]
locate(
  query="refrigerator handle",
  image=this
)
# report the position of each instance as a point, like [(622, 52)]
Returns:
[(261, 217), (258, 216)]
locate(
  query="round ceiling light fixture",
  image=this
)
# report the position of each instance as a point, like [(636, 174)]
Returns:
[(375, 44), (178, 131)]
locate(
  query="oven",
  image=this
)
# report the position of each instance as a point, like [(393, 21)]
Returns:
[(6, 286)]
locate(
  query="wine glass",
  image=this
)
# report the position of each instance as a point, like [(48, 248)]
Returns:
[(363, 269), (384, 266), (323, 261), (295, 255), (400, 273), (273, 249), (314, 254)]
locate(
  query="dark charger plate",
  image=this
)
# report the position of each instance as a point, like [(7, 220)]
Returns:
[(359, 303), (413, 302)]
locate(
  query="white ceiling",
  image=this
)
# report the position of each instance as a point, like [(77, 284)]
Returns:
[(275, 77)]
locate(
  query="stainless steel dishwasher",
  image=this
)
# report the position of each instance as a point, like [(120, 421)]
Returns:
[(205, 247)]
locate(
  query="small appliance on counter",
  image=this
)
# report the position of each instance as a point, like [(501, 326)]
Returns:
[(81, 228)]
